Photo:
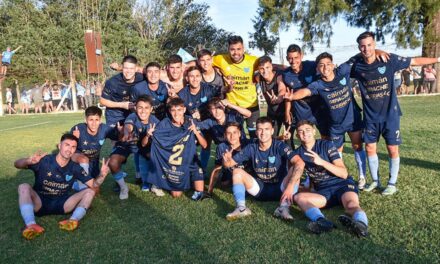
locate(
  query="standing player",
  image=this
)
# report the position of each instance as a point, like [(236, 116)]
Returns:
[(209, 74), (239, 69), (116, 96), (91, 136), (334, 88), (273, 89), (54, 176), (174, 75), (135, 137), (332, 183), (173, 152), (6, 60), (153, 87), (270, 159), (380, 106)]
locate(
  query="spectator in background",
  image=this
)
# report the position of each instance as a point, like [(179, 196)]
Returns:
[(88, 94), (10, 101), (429, 76), (37, 97), (47, 99), (6, 60), (406, 81), (417, 79), (25, 101), (67, 101), (80, 94), (93, 92)]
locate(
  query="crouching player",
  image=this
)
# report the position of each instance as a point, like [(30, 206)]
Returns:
[(135, 137), (270, 159), (333, 185), (54, 177), (91, 136)]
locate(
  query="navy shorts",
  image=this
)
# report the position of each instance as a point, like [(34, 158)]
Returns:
[(122, 150), (390, 131), (196, 172), (333, 193), (268, 191), (52, 206)]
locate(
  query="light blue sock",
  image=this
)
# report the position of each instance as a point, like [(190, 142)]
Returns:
[(85, 166), (239, 192), (394, 170), (360, 216), (361, 161), (340, 154), (204, 158), (314, 214), (78, 213), (373, 164), (27, 213), (119, 175)]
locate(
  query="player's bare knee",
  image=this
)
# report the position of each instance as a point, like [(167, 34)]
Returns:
[(176, 194), (82, 159)]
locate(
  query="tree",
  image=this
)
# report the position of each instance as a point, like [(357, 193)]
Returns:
[(410, 22)]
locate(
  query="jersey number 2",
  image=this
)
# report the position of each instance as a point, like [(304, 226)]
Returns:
[(175, 158)]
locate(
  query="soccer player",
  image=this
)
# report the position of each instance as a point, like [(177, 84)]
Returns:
[(6, 60), (153, 87), (134, 140), (380, 106), (54, 176), (173, 152), (91, 136), (273, 89), (174, 75), (239, 69), (332, 183), (210, 75), (334, 88), (270, 159), (116, 96), (235, 140), (299, 75)]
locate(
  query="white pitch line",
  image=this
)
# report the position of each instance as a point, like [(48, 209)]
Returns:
[(38, 124)]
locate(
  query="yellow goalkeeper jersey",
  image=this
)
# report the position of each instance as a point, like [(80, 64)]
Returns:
[(244, 93)]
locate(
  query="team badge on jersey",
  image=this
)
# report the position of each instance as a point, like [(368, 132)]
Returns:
[(246, 69), (68, 177), (343, 81), (382, 69), (161, 97), (204, 99), (101, 142), (309, 79), (271, 159)]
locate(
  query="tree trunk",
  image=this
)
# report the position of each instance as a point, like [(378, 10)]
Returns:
[(431, 44)]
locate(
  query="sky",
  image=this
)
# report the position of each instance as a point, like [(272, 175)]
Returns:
[(236, 16)]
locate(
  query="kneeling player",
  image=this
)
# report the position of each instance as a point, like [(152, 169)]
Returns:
[(136, 126), (91, 136), (333, 185), (173, 152), (270, 158), (54, 177)]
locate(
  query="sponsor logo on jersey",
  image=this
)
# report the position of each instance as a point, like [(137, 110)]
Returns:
[(309, 79)]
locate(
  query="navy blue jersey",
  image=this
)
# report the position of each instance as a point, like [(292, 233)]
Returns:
[(54, 181), (173, 153), (270, 166), (318, 174), (158, 96), (222, 148), (139, 132), (307, 108), (338, 97), (199, 101), (116, 89), (217, 131), (376, 83)]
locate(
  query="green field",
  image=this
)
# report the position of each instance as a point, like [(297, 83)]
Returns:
[(404, 228)]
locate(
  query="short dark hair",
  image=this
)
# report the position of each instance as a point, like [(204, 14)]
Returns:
[(144, 98), (293, 48), (174, 59), (214, 101), (366, 34), (193, 68), (233, 124), (324, 55), (203, 52), (93, 110), (152, 64), (175, 102), (304, 122), (69, 136), (262, 60), (130, 59), (264, 119), (234, 40)]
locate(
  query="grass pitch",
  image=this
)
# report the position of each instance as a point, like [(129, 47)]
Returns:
[(404, 228)]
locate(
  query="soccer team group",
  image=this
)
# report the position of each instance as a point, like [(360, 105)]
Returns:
[(163, 116)]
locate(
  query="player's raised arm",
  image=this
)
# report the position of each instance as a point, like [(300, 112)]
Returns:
[(112, 104), (95, 183), (246, 113), (423, 61), (297, 95), (202, 141), (34, 159)]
